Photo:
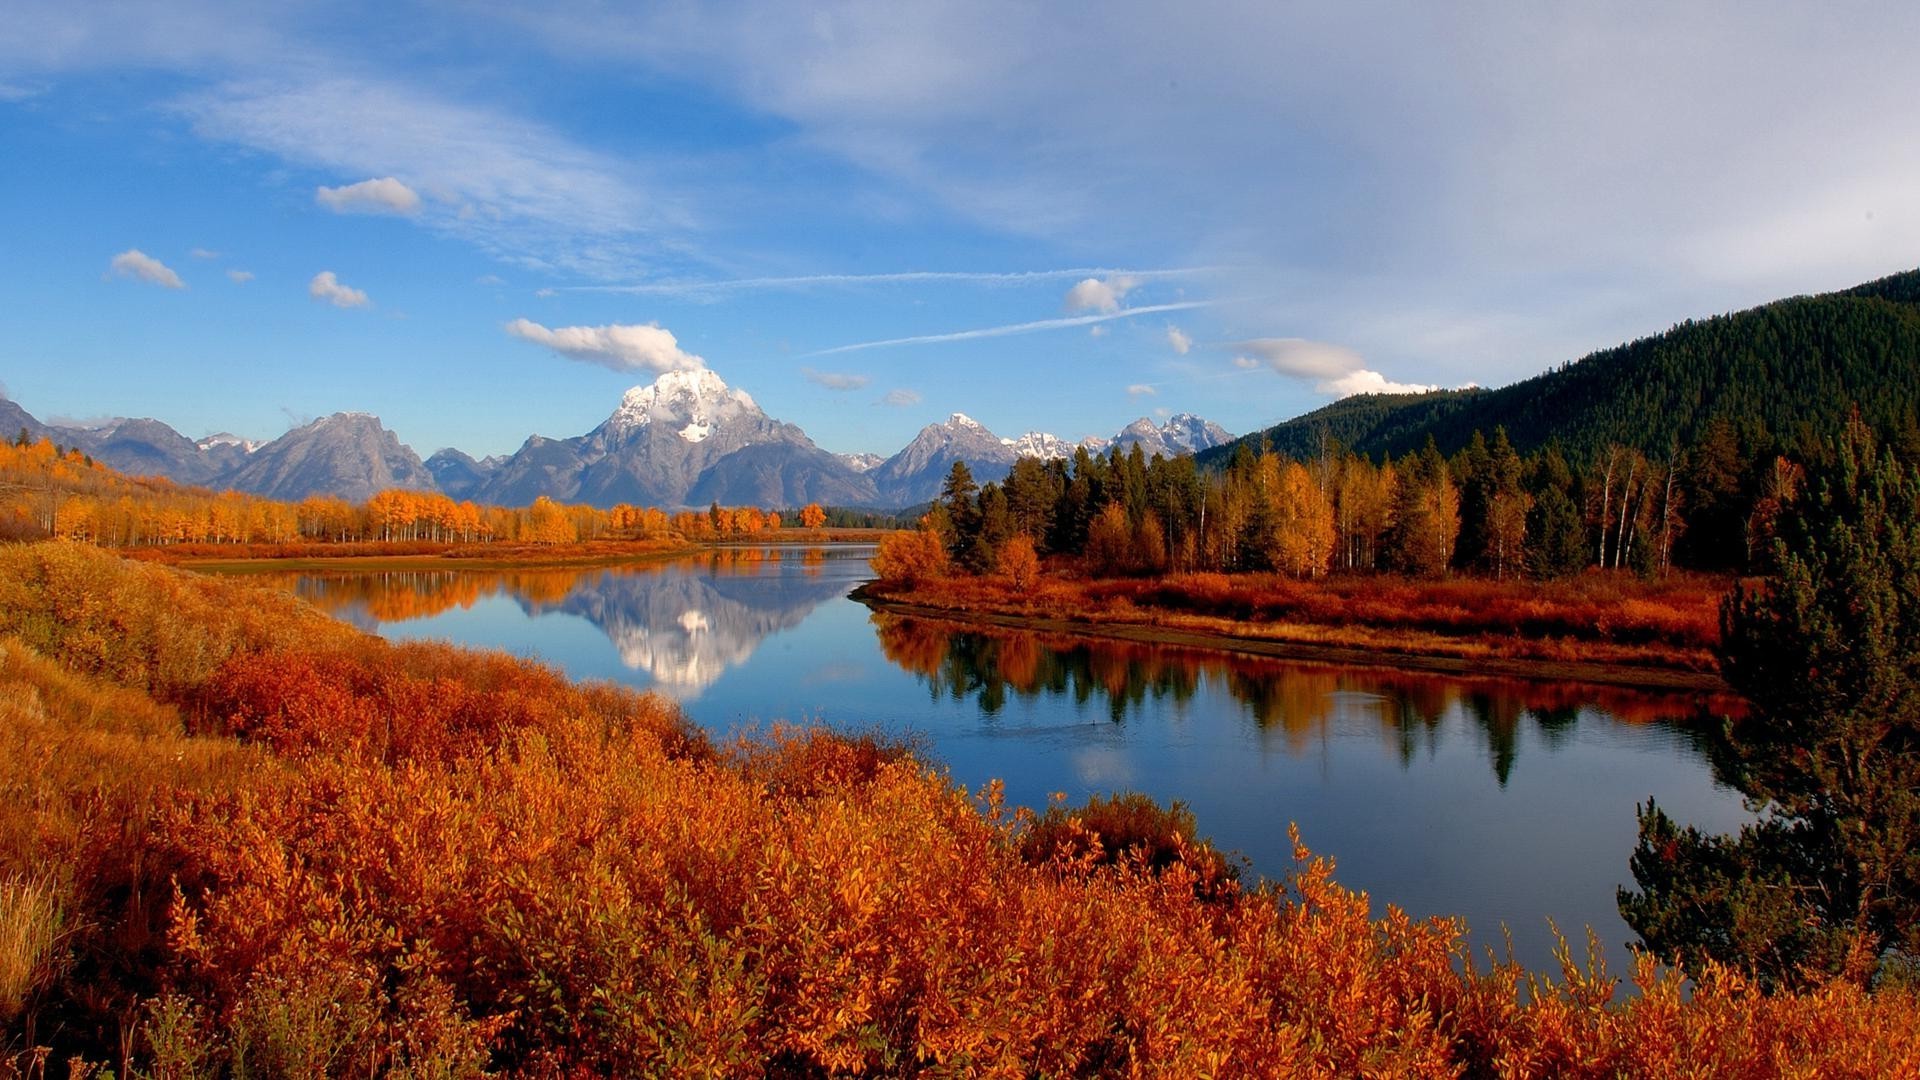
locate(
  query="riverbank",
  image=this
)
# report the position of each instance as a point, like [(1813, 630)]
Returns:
[(424, 555), (1618, 632)]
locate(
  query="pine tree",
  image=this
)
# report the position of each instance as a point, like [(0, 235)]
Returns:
[(1828, 652)]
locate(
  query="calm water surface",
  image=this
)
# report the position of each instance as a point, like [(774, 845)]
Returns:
[(1507, 802)]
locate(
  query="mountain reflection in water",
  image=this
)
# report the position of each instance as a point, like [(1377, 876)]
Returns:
[(684, 623), (1292, 701)]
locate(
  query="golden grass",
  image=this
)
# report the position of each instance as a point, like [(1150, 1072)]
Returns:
[(33, 920)]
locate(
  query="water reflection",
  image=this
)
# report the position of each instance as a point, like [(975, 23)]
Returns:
[(1287, 702), (682, 623)]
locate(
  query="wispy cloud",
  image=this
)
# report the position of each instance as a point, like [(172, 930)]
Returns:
[(834, 380), (904, 277), (511, 186), (1016, 328), (325, 286), (1141, 390), (239, 277), (203, 253), (384, 195), (900, 399), (137, 264), (628, 347), (1178, 339)]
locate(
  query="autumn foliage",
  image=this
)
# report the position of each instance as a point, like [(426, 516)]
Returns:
[(49, 492), (267, 844), (910, 557), (1599, 618)]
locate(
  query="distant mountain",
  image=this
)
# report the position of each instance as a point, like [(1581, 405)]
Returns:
[(458, 474), (862, 462), (226, 452), (347, 454), (1039, 444), (674, 443), (1183, 433), (916, 473), (1802, 363), (14, 420), (150, 448)]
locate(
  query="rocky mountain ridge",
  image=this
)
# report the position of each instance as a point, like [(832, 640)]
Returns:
[(686, 439)]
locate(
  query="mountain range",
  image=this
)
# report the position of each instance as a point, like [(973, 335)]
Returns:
[(687, 439)]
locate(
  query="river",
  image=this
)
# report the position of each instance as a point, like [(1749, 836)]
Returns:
[(1507, 802)]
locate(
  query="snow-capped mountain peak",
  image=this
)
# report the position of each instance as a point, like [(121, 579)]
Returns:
[(227, 438), (693, 403), (1040, 444)]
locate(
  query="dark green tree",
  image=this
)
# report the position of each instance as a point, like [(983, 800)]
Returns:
[(1828, 653), (960, 510), (1555, 545)]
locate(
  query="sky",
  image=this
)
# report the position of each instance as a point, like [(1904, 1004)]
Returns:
[(481, 222)]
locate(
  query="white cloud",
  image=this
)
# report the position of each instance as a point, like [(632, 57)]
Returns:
[(325, 286), (491, 281), (1178, 338), (1304, 359), (622, 347), (1370, 382), (900, 399), (1103, 295), (834, 380), (1141, 390), (382, 196), (135, 263), (1335, 369), (203, 253), (240, 277), (1098, 331)]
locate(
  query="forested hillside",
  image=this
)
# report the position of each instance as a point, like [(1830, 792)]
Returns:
[(1774, 373)]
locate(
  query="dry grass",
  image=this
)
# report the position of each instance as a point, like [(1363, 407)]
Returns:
[(33, 920)]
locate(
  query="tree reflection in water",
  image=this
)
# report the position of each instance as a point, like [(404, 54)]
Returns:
[(1297, 702)]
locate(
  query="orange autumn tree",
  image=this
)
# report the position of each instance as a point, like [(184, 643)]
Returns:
[(812, 516), (909, 557)]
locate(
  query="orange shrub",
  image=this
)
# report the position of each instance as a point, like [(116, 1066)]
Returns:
[(910, 557)]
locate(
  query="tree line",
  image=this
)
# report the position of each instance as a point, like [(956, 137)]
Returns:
[(1488, 509), (49, 490)]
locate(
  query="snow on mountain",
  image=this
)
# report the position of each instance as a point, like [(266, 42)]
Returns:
[(1183, 433), (1042, 445), (693, 403), (915, 474), (228, 439), (685, 439), (862, 462)]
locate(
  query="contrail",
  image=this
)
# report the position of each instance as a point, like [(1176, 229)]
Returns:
[(1017, 328), (908, 277)]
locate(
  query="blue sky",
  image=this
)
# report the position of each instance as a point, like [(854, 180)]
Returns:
[(477, 221)]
